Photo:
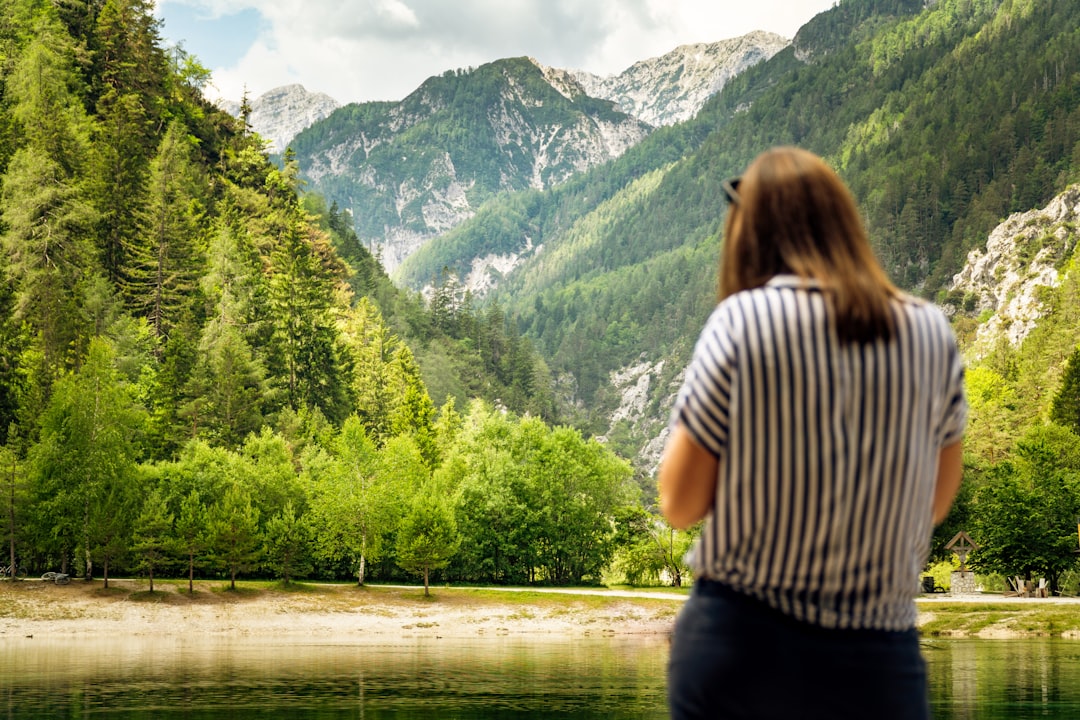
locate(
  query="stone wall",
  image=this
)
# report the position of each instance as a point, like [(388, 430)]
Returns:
[(963, 583)]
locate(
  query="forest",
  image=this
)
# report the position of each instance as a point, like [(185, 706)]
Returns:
[(944, 118), (204, 372)]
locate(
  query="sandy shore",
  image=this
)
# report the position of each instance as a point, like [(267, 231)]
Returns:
[(40, 609), (348, 613)]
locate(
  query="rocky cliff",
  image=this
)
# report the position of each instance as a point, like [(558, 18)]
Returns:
[(1002, 282), (280, 114), (673, 87), (410, 170)]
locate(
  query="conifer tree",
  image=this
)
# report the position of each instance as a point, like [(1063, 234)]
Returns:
[(129, 71), (191, 533), (234, 532), (163, 270), (44, 203), (1065, 409), (152, 535), (288, 540)]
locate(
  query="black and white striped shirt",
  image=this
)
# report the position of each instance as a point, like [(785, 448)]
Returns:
[(827, 452)]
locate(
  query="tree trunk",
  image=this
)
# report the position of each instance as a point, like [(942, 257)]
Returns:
[(105, 570), (360, 572), (11, 523), (151, 579), (191, 574), (232, 578), (426, 593)]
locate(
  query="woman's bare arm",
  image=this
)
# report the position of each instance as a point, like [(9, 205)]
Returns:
[(950, 473), (687, 479)]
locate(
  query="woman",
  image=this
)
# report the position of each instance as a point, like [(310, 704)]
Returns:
[(818, 433)]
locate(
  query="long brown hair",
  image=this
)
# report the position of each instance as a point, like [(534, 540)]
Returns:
[(793, 214)]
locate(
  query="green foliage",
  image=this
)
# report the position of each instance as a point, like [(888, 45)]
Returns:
[(1065, 409), (1026, 513), (234, 532), (629, 249), (650, 552), (191, 533), (533, 503), (287, 544), (152, 535), (428, 537)]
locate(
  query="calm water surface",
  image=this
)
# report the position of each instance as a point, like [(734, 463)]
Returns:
[(441, 678)]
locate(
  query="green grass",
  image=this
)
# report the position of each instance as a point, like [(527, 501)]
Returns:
[(1025, 619)]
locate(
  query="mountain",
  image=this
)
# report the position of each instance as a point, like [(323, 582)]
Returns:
[(278, 115), (943, 118), (1005, 283), (412, 169), (1014, 306), (673, 87)]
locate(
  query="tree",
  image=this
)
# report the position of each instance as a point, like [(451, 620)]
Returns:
[(1026, 512), (1065, 409), (153, 535), (14, 500), (228, 387), (352, 503), (129, 83), (288, 540), (428, 537), (83, 466), (191, 533), (234, 532), (648, 549), (163, 268), (45, 205), (307, 355)]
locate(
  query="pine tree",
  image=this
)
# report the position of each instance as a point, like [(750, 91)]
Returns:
[(152, 535), (192, 533), (1065, 409), (45, 205), (164, 268), (234, 532), (129, 74)]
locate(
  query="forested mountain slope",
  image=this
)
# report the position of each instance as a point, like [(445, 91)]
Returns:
[(943, 120), (411, 169), (201, 367)]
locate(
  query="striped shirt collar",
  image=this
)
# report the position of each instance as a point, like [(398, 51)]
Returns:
[(790, 280)]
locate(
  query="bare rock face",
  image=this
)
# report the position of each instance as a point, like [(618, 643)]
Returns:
[(1022, 255), (673, 87), (411, 170), (280, 114)]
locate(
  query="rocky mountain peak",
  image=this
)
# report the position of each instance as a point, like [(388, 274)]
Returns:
[(673, 87), (280, 114)]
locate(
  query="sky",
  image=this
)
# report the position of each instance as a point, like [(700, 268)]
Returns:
[(362, 50)]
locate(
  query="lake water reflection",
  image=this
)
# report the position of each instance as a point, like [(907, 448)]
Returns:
[(230, 679), (483, 678)]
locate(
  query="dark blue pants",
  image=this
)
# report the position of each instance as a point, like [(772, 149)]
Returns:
[(735, 657)]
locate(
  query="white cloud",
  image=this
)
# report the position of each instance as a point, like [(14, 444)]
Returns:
[(383, 49)]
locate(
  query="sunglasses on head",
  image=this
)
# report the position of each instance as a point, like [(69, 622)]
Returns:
[(731, 189)]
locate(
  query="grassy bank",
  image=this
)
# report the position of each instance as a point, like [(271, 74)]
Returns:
[(987, 618)]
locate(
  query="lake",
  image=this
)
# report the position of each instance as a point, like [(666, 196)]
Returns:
[(486, 678)]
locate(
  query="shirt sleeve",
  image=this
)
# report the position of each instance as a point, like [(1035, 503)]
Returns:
[(703, 403), (956, 407)]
